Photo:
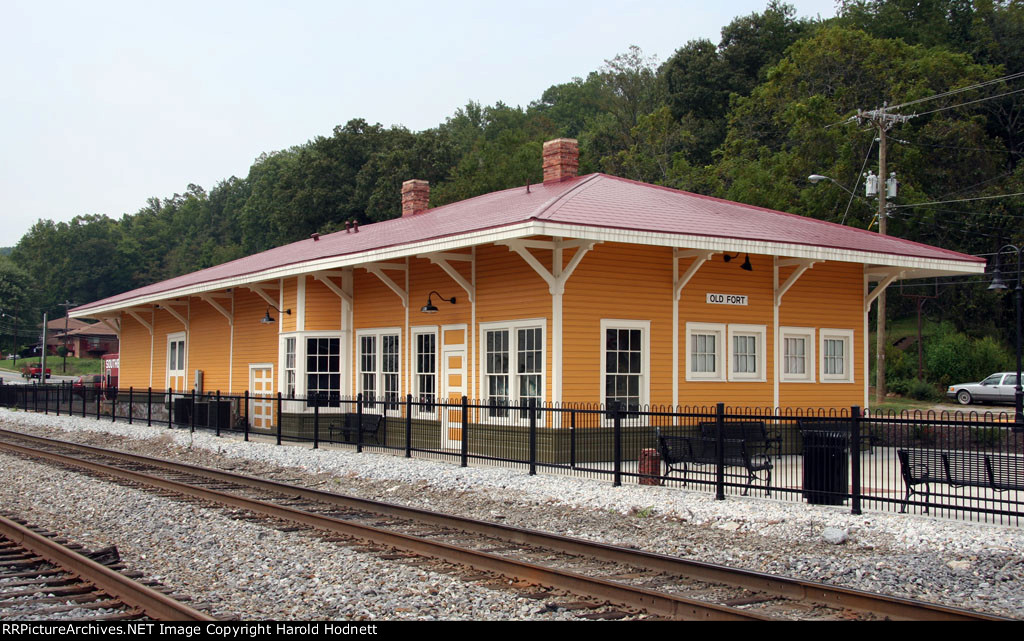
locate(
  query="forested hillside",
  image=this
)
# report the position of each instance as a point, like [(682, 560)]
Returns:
[(747, 118)]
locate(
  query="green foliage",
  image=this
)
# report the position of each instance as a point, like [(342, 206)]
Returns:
[(953, 357), (987, 436)]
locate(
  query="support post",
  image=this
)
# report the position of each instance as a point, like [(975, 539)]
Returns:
[(408, 426), (855, 426), (720, 452)]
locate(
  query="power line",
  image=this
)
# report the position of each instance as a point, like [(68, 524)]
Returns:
[(953, 92), (972, 102), (961, 200)]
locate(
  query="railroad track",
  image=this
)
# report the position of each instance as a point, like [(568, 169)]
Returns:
[(634, 580), (43, 577)]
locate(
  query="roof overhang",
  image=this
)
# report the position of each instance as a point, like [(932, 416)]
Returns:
[(881, 264)]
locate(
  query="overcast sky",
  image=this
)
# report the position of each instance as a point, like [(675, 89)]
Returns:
[(106, 104)]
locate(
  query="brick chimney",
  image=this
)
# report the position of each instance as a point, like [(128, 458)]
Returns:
[(561, 160), (415, 197)]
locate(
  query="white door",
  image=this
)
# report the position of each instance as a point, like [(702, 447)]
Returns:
[(453, 388), (261, 396)]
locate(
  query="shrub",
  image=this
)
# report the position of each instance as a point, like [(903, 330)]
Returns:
[(922, 390)]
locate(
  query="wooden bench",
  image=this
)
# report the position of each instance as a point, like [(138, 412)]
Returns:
[(996, 472), (372, 425), (680, 452), (751, 432)]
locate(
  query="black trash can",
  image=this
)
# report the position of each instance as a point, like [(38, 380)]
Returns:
[(826, 466)]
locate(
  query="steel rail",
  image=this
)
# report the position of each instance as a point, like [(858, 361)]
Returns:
[(133, 594), (650, 600), (832, 596)]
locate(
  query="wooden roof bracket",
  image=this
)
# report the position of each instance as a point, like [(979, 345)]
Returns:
[(441, 260), (802, 265), (170, 310), (556, 284), (217, 306), (679, 282), (377, 269), (325, 278), (881, 286), (134, 314), (259, 291)]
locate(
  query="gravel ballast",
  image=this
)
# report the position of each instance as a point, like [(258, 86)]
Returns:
[(955, 563)]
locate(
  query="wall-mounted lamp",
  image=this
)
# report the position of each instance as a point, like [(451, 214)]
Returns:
[(746, 261), (429, 308), (268, 319)]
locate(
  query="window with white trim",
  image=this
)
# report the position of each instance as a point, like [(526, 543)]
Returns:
[(836, 355), (705, 352), (625, 363), (797, 354), (746, 352), (289, 367), (425, 376), (513, 366), (323, 370), (379, 363)]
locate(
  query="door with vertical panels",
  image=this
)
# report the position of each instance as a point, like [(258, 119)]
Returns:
[(261, 396), (454, 378)]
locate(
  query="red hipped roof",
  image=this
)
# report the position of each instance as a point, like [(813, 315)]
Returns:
[(596, 200)]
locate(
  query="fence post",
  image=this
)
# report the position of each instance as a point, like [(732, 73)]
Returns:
[(359, 423), (216, 413), (720, 452), (97, 402), (131, 404), (464, 441), (280, 419), (192, 414), (59, 388), (170, 408), (408, 426), (316, 420), (855, 419), (617, 443), (572, 439), (113, 408), (46, 400), (35, 398), (149, 406)]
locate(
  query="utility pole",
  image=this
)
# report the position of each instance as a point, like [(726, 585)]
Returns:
[(883, 121), (67, 305)]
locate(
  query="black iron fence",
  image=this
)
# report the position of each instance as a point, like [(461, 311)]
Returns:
[(966, 466)]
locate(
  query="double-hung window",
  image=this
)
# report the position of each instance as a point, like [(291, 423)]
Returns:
[(425, 375), (379, 363), (626, 362), (836, 355), (797, 354), (513, 366), (289, 366), (705, 360), (746, 352), (323, 370), (176, 362)]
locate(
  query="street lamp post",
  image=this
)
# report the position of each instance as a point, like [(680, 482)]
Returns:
[(998, 284)]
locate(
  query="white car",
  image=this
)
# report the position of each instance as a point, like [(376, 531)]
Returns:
[(997, 388)]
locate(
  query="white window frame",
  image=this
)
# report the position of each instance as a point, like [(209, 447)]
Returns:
[(379, 333), (512, 328), (845, 335), (719, 331), (414, 334), (299, 404), (645, 356), (807, 334), (758, 332), (176, 337)]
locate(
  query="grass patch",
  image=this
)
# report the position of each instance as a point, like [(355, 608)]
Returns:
[(76, 366)]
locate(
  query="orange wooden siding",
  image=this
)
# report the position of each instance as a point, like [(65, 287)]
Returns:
[(288, 298), (376, 306), (209, 345), (829, 295), (134, 353), (621, 282), (719, 277), (323, 307), (509, 289), (254, 341)]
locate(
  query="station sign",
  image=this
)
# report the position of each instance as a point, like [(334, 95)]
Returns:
[(727, 299)]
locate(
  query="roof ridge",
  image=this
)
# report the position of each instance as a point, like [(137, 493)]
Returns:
[(548, 207)]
